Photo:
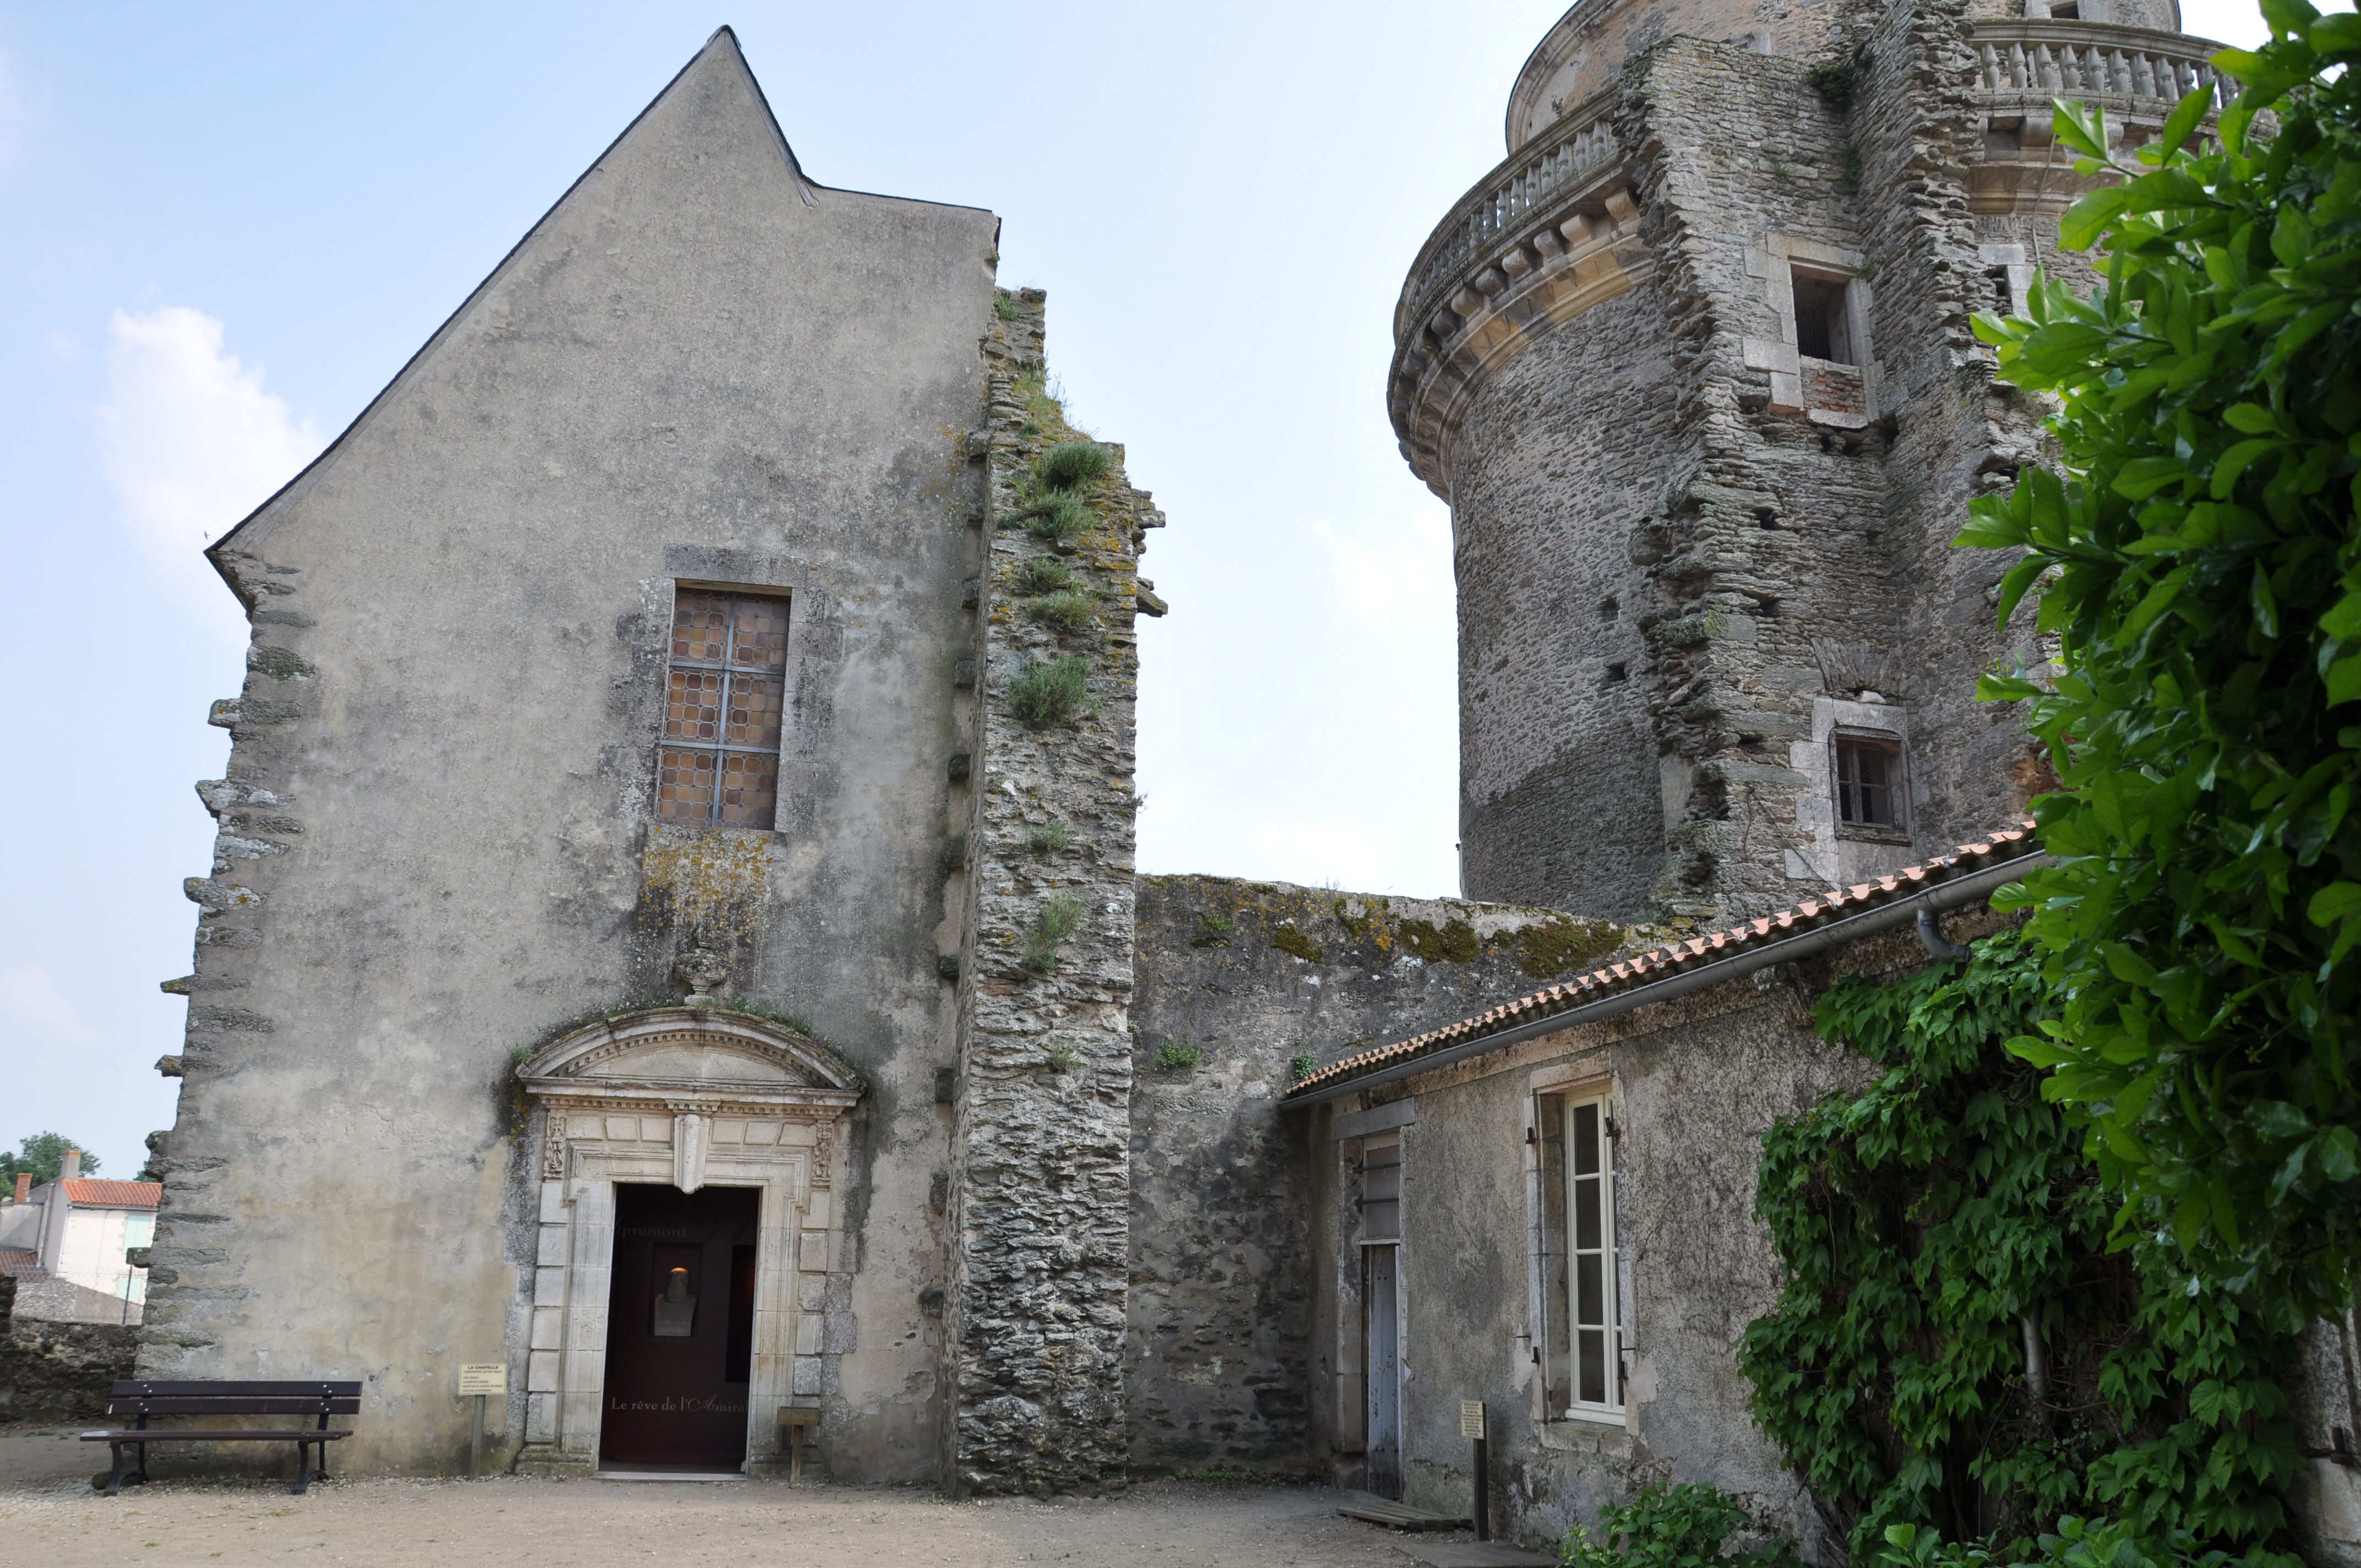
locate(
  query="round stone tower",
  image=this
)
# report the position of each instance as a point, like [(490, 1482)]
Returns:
[(1693, 367)]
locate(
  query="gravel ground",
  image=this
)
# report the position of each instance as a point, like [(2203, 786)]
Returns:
[(49, 1514)]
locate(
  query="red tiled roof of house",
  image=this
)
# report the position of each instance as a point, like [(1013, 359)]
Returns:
[(2009, 844), (17, 1261), (96, 1193)]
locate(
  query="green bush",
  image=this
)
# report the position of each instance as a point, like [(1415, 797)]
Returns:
[(1071, 465), (1068, 614), (1042, 574), (1301, 1066), (1059, 517), (1176, 1056), (2200, 564), (2077, 1543), (1043, 697), (1670, 1526), (1047, 838)]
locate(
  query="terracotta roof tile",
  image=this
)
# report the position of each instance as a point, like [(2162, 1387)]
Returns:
[(99, 1193), (1625, 973)]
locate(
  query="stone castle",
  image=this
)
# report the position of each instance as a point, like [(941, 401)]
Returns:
[(674, 931)]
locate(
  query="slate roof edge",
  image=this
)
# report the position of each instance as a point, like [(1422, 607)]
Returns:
[(1971, 872)]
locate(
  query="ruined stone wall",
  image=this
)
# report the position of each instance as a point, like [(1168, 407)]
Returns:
[(1236, 981), (1040, 1171), (59, 1371), (1688, 550), (1918, 130), (1764, 550)]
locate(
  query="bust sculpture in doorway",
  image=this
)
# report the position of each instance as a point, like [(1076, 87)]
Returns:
[(676, 1308)]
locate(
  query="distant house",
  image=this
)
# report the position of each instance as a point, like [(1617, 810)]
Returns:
[(67, 1244)]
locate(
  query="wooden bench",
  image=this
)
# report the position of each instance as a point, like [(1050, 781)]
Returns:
[(302, 1397)]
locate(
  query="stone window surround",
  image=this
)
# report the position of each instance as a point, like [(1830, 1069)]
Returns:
[(1835, 853), (815, 652), (1771, 267), (2008, 261), (597, 1132)]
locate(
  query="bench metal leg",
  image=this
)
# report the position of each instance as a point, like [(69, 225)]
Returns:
[(115, 1471), (303, 1465)]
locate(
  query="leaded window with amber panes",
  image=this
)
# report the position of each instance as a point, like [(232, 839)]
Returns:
[(723, 697)]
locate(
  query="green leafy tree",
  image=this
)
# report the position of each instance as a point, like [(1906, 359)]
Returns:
[(2199, 567), (44, 1153), (1956, 1349)]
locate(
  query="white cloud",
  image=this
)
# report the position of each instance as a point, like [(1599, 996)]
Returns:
[(1405, 571), (37, 1015), (192, 444)]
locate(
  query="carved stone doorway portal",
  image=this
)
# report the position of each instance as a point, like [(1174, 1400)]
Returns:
[(682, 1098)]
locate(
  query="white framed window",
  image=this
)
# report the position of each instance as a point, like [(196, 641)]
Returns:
[(1582, 1345)]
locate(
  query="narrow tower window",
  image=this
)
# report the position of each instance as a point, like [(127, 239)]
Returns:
[(719, 760), (1869, 770), (1822, 330)]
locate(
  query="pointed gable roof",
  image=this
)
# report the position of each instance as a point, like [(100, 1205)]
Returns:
[(720, 57)]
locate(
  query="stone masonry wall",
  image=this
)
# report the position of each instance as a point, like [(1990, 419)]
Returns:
[(1248, 976), (1565, 445), (1763, 551), (1040, 1173), (1960, 433)]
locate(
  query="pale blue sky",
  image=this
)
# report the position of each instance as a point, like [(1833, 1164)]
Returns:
[(227, 226)]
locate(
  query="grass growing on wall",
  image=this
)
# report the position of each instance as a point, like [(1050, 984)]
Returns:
[(1059, 916), (1073, 464), (1068, 614), (1043, 697), (1042, 574)]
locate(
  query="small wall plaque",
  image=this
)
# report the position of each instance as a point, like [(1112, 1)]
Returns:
[(484, 1377), (1471, 1418)]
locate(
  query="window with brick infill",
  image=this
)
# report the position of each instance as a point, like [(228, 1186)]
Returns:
[(1823, 330), (719, 761)]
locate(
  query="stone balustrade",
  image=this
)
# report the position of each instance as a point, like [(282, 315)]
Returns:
[(1553, 165), (2132, 67)]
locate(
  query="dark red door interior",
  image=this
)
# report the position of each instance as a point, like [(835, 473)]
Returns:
[(680, 1327)]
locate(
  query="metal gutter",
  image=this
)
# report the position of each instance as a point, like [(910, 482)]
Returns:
[(1951, 893)]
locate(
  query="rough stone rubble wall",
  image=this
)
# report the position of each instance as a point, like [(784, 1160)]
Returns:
[(1563, 446), (1672, 578), (1040, 1170), (1959, 435), (1222, 1353), (1764, 545)]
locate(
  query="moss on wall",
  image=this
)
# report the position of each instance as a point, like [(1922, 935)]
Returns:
[(1289, 939), (1566, 947)]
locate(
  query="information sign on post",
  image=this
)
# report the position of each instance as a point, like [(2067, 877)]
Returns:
[(481, 1380)]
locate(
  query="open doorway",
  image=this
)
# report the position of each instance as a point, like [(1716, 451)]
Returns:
[(680, 1328)]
